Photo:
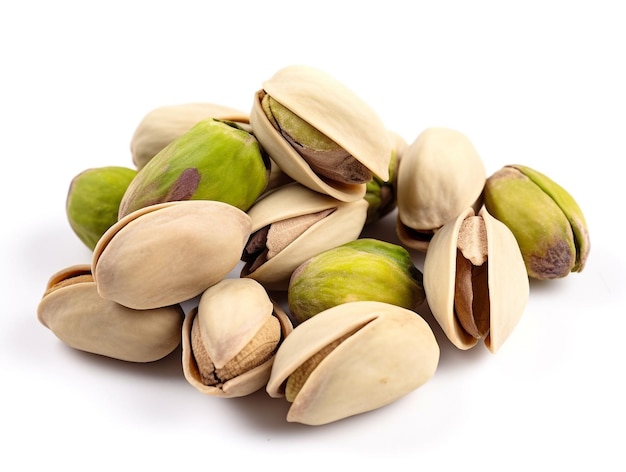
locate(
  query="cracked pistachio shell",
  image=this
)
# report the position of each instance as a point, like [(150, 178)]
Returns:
[(440, 175), (74, 311), (332, 109), (240, 329), (381, 353), (163, 125), (548, 224), (499, 295), (344, 223), (214, 160), (170, 252), (364, 269)]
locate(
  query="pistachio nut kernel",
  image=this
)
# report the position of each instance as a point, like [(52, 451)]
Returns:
[(231, 337), (440, 175), (93, 201), (169, 253), (548, 224), (214, 160), (350, 359), (161, 126), (364, 269), (292, 224), (475, 280), (74, 311), (320, 133)]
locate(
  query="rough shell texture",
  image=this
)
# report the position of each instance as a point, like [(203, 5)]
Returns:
[(507, 281), (168, 253), (391, 352), (232, 312), (333, 109), (74, 311)]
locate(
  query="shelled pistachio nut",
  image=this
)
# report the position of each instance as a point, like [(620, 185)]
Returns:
[(351, 359), (292, 224), (440, 175), (320, 133), (214, 160), (475, 280), (74, 311), (548, 224), (93, 201), (161, 126), (364, 269), (231, 337), (169, 253), (381, 195)]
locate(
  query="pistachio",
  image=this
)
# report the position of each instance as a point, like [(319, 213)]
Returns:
[(292, 224), (93, 201), (364, 269), (548, 224), (440, 175), (351, 359), (231, 337), (74, 311), (475, 280), (214, 160), (163, 125), (320, 133), (170, 252)]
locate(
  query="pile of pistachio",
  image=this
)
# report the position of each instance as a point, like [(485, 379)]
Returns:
[(284, 193)]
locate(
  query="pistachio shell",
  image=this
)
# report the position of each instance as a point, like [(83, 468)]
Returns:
[(344, 224), (388, 352), (163, 125), (335, 111), (74, 311), (440, 175), (507, 282), (231, 315), (170, 252)]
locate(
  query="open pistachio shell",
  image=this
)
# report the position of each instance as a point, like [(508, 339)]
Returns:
[(170, 252), (499, 293), (74, 311), (381, 353), (338, 223), (163, 125), (335, 111), (440, 175), (240, 329)]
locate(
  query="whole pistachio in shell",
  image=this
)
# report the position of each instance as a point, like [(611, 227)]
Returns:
[(364, 269), (74, 311), (292, 224), (161, 126), (548, 224), (475, 280), (230, 339), (214, 160), (93, 201), (351, 359), (320, 133), (440, 175), (169, 253)]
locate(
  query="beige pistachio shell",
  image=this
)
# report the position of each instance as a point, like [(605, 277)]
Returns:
[(231, 315), (439, 176), (507, 281), (389, 351), (168, 253), (333, 109), (344, 224), (162, 125), (74, 311)]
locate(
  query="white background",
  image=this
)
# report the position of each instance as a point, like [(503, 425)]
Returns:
[(535, 83)]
